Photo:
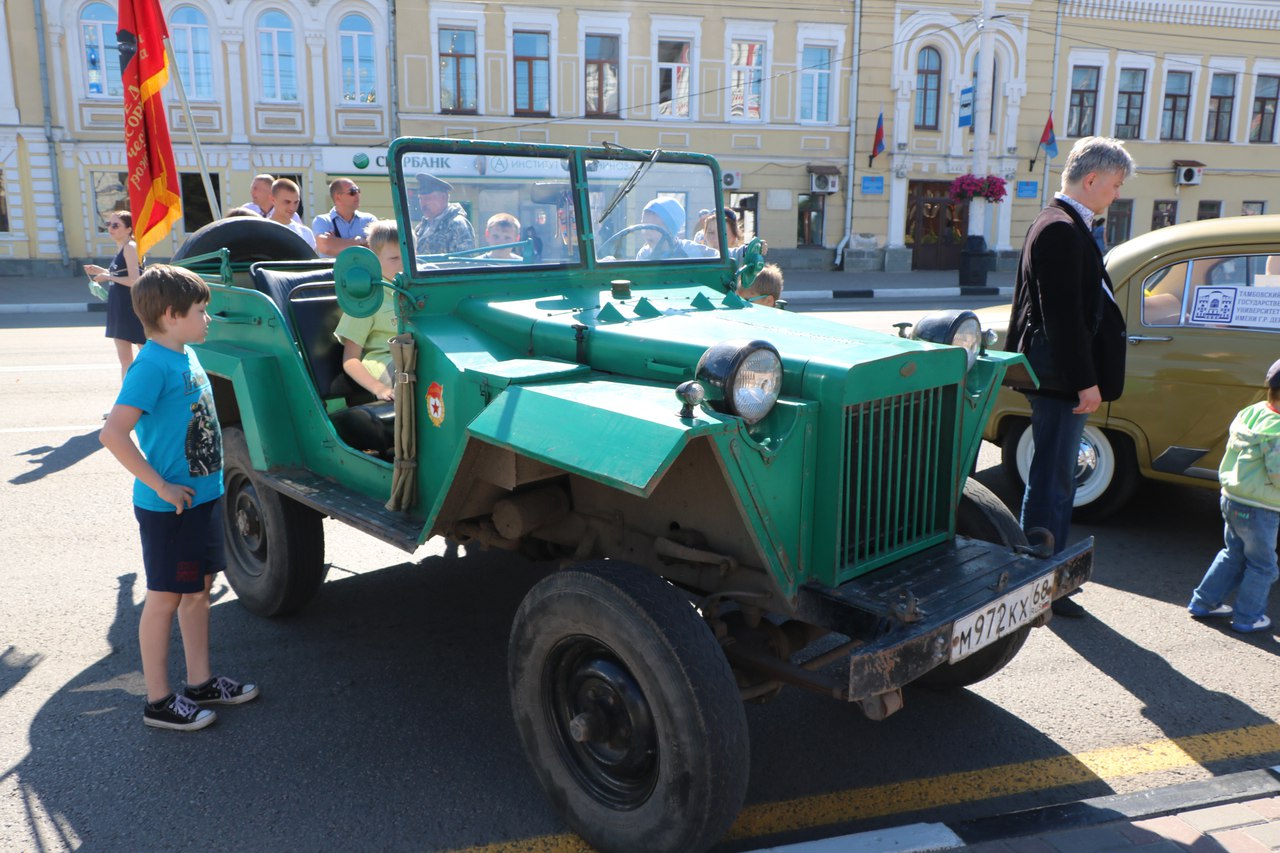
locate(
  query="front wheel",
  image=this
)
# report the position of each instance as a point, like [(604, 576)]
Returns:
[(1106, 468), (627, 710), (275, 546), (982, 515)]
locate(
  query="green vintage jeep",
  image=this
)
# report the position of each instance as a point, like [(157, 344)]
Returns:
[(740, 497)]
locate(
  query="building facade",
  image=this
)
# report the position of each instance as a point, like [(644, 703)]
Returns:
[(316, 90)]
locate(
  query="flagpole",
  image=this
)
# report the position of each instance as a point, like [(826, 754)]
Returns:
[(1053, 102), (191, 129)]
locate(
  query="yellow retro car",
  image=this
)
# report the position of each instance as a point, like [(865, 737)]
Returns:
[(1202, 305)]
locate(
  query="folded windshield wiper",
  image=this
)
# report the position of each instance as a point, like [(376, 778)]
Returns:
[(630, 183)]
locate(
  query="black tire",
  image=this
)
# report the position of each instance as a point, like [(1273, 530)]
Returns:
[(249, 239), (1113, 459), (275, 545), (616, 654), (981, 515)]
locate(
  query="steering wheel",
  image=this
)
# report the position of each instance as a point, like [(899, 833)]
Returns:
[(663, 235)]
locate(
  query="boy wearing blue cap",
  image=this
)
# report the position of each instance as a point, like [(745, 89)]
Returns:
[(1250, 477)]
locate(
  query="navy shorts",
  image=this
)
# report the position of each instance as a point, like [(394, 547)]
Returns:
[(178, 551)]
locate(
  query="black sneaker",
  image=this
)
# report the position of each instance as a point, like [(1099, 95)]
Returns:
[(177, 712), (220, 691)]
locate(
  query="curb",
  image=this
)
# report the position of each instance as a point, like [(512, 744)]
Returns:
[(897, 293), (878, 293), (1189, 796), (54, 308)]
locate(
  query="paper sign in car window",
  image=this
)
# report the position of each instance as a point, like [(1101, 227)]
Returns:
[(1237, 306)]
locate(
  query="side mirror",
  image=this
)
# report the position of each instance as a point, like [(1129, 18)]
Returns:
[(357, 278), (752, 263)]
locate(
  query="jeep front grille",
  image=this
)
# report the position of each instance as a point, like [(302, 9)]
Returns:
[(898, 467)]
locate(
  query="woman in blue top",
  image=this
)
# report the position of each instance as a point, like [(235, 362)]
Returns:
[(122, 324)]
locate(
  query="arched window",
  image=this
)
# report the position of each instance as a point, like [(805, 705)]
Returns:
[(928, 88), (277, 57), (101, 54), (189, 35), (359, 75)]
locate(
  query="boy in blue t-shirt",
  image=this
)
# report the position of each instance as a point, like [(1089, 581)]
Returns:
[(168, 401)]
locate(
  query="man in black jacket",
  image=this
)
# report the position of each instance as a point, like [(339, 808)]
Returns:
[(1063, 295)]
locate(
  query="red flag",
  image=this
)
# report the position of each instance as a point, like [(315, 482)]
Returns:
[(877, 145), (1048, 140), (153, 181)]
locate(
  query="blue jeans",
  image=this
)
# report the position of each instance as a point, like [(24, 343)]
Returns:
[(1247, 564), (1051, 482)]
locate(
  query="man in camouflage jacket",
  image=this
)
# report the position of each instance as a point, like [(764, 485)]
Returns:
[(444, 226)]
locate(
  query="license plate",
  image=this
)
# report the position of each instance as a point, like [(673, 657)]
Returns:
[(1001, 617)]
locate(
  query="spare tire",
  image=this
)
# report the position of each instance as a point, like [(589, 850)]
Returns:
[(249, 239)]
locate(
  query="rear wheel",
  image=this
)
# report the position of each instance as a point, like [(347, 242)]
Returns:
[(275, 546), (982, 515), (627, 710), (1106, 468)]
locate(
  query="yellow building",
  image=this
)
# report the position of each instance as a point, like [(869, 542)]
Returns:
[(315, 90), (1192, 86), (272, 86)]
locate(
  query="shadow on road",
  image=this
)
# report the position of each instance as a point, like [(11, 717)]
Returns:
[(384, 723), (50, 460), (14, 665)]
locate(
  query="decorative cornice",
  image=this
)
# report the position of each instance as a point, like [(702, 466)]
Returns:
[(1251, 15)]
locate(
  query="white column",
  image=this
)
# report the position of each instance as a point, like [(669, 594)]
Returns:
[(982, 113), (8, 104), (319, 89), (61, 94), (898, 181), (237, 103)]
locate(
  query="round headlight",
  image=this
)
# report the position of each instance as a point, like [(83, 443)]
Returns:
[(744, 378), (956, 328)]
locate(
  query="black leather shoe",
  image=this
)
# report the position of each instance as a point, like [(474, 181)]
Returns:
[(1067, 608)]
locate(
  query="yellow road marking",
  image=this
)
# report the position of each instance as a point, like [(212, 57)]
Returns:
[(970, 786)]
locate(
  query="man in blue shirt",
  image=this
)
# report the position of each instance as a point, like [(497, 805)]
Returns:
[(343, 225)]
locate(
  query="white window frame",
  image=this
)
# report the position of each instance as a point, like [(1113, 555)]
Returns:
[(618, 25), (105, 31), (832, 38), (1103, 61), (375, 38), (460, 16), (1137, 62), (1235, 67), (756, 31), (192, 93), (1191, 65), (1262, 68), (299, 58), (676, 28), (532, 19)]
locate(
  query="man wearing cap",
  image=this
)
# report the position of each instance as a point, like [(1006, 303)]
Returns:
[(444, 226), (343, 226)]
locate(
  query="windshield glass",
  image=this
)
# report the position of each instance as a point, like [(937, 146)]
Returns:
[(483, 212), (652, 211)]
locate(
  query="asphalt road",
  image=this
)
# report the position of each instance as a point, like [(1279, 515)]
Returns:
[(384, 720)]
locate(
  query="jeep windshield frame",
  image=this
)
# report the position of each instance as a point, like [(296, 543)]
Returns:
[(470, 208)]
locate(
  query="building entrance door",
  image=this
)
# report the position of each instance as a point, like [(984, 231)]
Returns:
[(935, 226)]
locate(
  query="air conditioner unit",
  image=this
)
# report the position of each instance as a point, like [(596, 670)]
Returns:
[(731, 180), (824, 183), (1187, 176)]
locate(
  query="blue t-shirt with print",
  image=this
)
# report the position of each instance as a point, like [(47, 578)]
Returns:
[(178, 431)]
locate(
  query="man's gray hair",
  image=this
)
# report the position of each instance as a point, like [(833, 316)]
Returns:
[(1096, 154)]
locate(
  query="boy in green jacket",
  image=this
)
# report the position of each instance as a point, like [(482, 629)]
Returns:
[(1250, 477)]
